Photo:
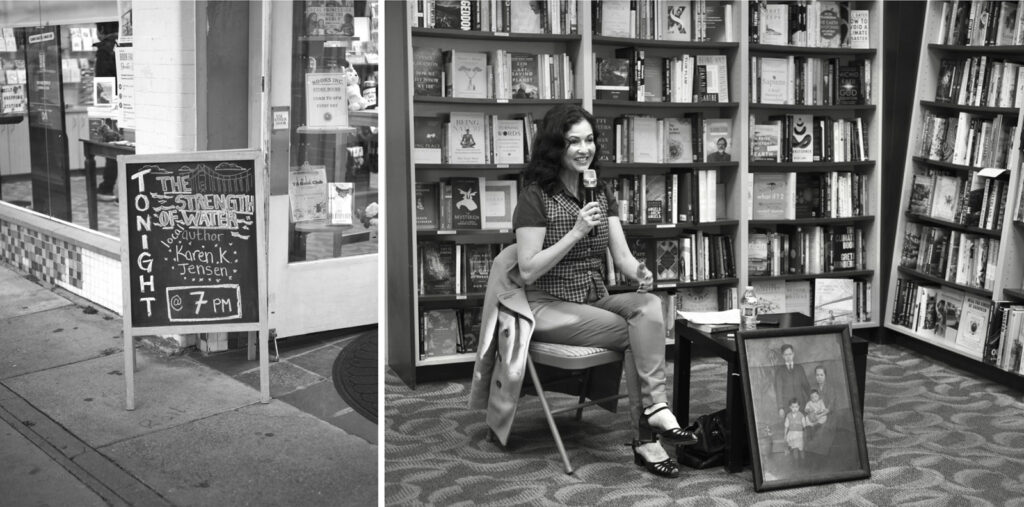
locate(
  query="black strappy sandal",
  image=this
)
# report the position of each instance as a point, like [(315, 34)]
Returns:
[(677, 436), (666, 468)]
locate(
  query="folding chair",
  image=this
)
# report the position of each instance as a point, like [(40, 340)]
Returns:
[(568, 357)]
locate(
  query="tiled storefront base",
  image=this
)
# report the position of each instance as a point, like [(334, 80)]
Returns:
[(81, 261)]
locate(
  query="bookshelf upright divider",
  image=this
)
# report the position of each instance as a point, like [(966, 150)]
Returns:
[(957, 238)]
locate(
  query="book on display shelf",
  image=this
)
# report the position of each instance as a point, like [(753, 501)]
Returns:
[(766, 142), (467, 138), (527, 17), (340, 200), (655, 199), (974, 322), (717, 139), (773, 82), (612, 78), (428, 137), (525, 76), (949, 303), (774, 196), (307, 193), (466, 210), (613, 18), (470, 330), (834, 301), (697, 299), (509, 141), (477, 259), (775, 23), (465, 74), (717, 75), (771, 296), (667, 260), (677, 19), (427, 199), (439, 332), (499, 202), (448, 14), (678, 141), (798, 296), (860, 29), (329, 17), (428, 72), (437, 262)]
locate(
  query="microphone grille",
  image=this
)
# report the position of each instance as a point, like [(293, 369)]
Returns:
[(589, 178)]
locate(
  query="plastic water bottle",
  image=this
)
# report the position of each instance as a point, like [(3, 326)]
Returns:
[(748, 309)]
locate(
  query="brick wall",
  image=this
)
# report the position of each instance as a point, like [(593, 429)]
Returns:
[(165, 76)]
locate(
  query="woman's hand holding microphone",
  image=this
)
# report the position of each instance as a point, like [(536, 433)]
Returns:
[(589, 217)]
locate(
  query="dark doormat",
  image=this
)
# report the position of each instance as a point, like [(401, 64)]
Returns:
[(355, 375)]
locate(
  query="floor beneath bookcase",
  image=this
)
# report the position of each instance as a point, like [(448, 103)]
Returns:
[(935, 435)]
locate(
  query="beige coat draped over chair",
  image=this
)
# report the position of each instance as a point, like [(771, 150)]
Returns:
[(505, 331)]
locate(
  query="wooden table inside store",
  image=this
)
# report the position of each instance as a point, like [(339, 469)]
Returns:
[(723, 344), (90, 150), (343, 235)]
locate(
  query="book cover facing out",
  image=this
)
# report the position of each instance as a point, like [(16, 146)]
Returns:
[(717, 140), (499, 202), (427, 72), (340, 199), (440, 332), (426, 206), (834, 300), (466, 204), (427, 136), (437, 267), (525, 76), (466, 138)]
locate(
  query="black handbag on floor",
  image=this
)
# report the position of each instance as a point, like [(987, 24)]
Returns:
[(709, 450)]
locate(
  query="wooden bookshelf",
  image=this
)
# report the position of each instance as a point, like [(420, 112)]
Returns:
[(869, 168), (734, 222), (1003, 266)]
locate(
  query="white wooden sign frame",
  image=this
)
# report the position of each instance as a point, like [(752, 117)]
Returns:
[(130, 331)]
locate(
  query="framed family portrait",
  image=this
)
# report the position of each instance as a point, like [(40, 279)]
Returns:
[(802, 405)]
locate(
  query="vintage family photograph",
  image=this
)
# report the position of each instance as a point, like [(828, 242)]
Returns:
[(802, 406)]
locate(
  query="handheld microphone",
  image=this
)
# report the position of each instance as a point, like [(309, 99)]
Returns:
[(590, 184), (590, 190)]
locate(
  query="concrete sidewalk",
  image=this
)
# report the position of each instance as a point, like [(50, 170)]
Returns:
[(198, 436)]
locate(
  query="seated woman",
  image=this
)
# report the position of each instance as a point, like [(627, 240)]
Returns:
[(562, 239)]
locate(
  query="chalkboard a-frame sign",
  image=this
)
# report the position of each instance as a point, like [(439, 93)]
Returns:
[(193, 247)]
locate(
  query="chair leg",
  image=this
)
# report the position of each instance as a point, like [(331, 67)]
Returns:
[(584, 389), (547, 414)]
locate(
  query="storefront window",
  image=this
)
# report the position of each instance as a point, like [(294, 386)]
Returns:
[(45, 157), (333, 178)]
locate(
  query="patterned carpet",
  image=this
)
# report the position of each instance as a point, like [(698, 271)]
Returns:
[(936, 437)]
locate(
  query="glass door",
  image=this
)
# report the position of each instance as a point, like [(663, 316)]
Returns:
[(324, 213)]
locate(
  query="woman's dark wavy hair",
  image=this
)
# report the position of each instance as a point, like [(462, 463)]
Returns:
[(549, 145)]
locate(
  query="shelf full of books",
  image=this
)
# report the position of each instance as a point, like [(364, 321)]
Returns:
[(958, 274), (812, 185), (695, 106), (666, 77), (482, 74)]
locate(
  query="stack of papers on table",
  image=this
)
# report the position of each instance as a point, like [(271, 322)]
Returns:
[(726, 320)]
